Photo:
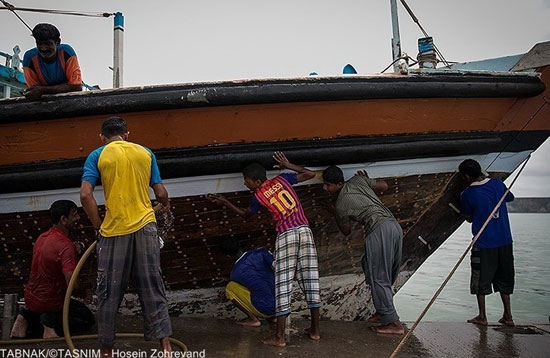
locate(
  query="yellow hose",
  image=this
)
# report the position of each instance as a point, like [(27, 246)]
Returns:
[(68, 339)]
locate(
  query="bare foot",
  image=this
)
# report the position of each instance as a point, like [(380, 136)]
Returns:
[(390, 328), (478, 320), (106, 352), (313, 336), (375, 318), (249, 322), (274, 341), (165, 347), (49, 333), (19, 329), (508, 322)]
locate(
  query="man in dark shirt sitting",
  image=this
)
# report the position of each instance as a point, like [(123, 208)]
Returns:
[(252, 286), (53, 262)]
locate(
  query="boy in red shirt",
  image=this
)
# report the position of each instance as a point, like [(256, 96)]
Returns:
[(295, 251)]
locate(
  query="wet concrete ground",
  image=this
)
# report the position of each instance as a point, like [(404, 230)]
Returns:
[(223, 338)]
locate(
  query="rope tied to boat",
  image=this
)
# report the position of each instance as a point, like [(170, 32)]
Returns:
[(415, 19), (12, 8), (497, 206), (57, 12)]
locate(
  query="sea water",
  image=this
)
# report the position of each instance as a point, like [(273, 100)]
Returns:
[(531, 297)]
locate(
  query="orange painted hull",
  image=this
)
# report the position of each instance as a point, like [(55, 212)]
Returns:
[(74, 137)]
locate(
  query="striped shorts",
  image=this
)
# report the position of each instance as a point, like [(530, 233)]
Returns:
[(295, 255)]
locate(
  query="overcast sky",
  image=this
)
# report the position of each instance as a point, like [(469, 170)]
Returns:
[(189, 41)]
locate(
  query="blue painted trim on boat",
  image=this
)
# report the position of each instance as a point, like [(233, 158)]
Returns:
[(119, 20), (494, 64), (10, 73)]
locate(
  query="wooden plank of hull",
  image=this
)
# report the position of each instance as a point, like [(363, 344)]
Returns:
[(529, 113), (192, 259), (73, 138)]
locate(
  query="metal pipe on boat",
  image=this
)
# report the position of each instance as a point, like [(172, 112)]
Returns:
[(396, 40), (118, 47)]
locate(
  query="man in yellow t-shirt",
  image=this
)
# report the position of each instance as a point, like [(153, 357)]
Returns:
[(128, 243)]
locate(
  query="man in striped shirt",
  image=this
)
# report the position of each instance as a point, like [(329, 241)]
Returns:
[(295, 252), (356, 201)]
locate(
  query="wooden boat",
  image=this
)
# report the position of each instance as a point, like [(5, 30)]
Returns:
[(411, 130)]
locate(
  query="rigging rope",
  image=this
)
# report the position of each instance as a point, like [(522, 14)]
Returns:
[(12, 8), (415, 19), (400, 58), (517, 135), (58, 12), (409, 333)]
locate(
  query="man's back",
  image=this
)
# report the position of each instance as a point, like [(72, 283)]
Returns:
[(126, 173), (360, 203), (254, 271), (53, 254), (478, 201), (278, 196)]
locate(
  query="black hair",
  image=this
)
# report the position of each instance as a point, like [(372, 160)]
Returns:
[(61, 208), (255, 171), (114, 126), (471, 168), (46, 32), (333, 174), (230, 246)]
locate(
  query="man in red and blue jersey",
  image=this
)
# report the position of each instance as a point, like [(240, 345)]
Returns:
[(51, 67), (295, 252)]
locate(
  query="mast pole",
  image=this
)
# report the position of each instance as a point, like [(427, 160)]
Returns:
[(118, 47), (396, 40)]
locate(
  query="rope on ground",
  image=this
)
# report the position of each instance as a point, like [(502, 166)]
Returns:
[(409, 333)]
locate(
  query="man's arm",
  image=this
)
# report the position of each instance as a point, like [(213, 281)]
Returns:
[(282, 162), (89, 204), (36, 92), (345, 227), (78, 291), (380, 186), (161, 195), (221, 200), (466, 209), (68, 276)]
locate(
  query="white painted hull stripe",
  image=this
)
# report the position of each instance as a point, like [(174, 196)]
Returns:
[(226, 183)]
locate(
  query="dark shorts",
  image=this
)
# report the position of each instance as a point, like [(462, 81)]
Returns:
[(494, 267), (81, 319)]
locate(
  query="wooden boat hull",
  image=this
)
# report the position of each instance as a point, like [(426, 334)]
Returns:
[(411, 131)]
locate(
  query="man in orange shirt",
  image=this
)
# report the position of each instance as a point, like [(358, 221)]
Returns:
[(51, 67)]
